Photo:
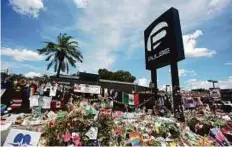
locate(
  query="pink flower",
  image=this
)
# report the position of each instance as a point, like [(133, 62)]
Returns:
[(67, 136), (76, 139)]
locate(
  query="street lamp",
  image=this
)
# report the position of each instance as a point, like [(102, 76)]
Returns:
[(167, 88), (213, 81)]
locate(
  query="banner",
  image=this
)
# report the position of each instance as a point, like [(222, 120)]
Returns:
[(215, 94), (85, 88), (24, 138)]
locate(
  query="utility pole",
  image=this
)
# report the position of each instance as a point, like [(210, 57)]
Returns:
[(213, 82), (167, 88)]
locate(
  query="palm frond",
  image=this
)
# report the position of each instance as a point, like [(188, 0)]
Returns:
[(71, 61), (73, 43), (50, 64), (41, 51), (48, 58)]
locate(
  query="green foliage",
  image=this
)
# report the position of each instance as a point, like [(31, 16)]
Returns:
[(119, 75), (62, 53), (105, 126)]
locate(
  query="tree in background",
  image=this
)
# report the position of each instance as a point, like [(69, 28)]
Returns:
[(119, 75), (200, 90), (62, 53)]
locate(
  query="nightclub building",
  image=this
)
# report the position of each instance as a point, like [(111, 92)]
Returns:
[(226, 94), (93, 79)]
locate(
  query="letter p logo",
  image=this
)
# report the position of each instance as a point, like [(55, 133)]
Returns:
[(156, 36)]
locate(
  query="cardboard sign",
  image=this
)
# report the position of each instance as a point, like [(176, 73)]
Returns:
[(36, 111), (92, 133), (215, 94), (24, 138), (96, 116), (53, 91), (51, 115)]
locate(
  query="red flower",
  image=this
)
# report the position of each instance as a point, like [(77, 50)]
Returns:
[(51, 124), (67, 136)]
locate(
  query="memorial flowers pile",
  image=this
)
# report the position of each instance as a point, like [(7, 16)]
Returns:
[(70, 129)]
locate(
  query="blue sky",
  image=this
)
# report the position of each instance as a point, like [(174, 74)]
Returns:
[(110, 35)]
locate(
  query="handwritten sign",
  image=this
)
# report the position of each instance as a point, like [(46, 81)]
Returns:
[(23, 138), (92, 133)]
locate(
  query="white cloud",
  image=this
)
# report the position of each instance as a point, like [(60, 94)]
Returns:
[(21, 54), (28, 7), (15, 66), (194, 84), (224, 84), (32, 74), (184, 72), (228, 63), (217, 5), (163, 87), (143, 82), (81, 3), (112, 25), (190, 42)]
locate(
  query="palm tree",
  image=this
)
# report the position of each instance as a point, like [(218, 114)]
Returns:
[(62, 53)]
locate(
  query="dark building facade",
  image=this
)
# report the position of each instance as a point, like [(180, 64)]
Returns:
[(226, 94), (93, 79)]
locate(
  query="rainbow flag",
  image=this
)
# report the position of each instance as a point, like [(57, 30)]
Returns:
[(32, 91), (134, 138)]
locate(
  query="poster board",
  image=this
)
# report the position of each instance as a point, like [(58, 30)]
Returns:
[(215, 94), (24, 138), (85, 88)]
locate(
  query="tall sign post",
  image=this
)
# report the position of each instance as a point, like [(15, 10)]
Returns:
[(164, 46)]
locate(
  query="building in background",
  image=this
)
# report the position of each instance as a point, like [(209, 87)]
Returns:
[(93, 79), (226, 94)]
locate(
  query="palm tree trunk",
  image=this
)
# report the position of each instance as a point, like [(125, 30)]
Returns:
[(58, 71)]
